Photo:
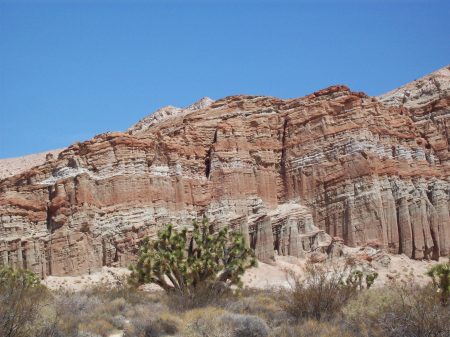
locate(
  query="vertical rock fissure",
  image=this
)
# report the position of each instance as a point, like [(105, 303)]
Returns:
[(400, 241), (208, 164), (48, 210), (283, 170)]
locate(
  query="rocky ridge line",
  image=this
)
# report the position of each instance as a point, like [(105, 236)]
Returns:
[(12, 166), (297, 177)]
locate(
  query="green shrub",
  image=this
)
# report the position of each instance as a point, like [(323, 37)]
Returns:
[(18, 278), (356, 277), (21, 297), (440, 275)]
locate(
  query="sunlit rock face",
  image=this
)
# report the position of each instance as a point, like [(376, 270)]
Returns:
[(292, 175), (428, 103)]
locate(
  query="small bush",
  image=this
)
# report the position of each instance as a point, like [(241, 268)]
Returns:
[(361, 314), (99, 327), (320, 294), (119, 321), (399, 311), (74, 309), (21, 297), (153, 326), (198, 297), (311, 328), (261, 303), (245, 325), (121, 289), (204, 322)]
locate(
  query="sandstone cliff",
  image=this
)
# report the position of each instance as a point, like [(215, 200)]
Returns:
[(295, 176)]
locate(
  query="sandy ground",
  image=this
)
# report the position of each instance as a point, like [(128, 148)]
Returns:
[(264, 276), (107, 275), (12, 166), (401, 268)]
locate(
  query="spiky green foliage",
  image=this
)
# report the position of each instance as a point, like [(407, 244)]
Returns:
[(356, 277), (440, 274), (370, 279), (183, 261), (18, 277)]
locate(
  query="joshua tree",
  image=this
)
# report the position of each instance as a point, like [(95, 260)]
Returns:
[(183, 262), (17, 278), (370, 279), (440, 274), (355, 279)]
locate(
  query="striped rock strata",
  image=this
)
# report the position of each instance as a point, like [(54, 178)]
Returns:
[(293, 175)]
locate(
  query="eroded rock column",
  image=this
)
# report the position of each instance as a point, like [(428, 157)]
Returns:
[(264, 240)]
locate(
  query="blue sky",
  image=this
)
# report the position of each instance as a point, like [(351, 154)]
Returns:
[(73, 69)]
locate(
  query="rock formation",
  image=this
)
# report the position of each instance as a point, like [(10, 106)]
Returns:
[(295, 176)]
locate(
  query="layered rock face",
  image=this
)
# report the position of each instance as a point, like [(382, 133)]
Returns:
[(294, 176), (428, 101)]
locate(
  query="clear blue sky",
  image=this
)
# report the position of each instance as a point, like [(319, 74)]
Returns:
[(73, 69)]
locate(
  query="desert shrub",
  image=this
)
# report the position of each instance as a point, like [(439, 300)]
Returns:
[(117, 305), (245, 325), (320, 294), (100, 327), (311, 328), (144, 311), (400, 310), (262, 303), (150, 319), (440, 274), (118, 321), (215, 322), (208, 294), (103, 309), (153, 326), (22, 298), (90, 311), (204, 322), (120, 289), (416, 312), (362, 313), (74, 309), (196, 265)]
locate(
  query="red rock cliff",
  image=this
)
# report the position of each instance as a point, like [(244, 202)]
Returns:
[(290, 174)]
